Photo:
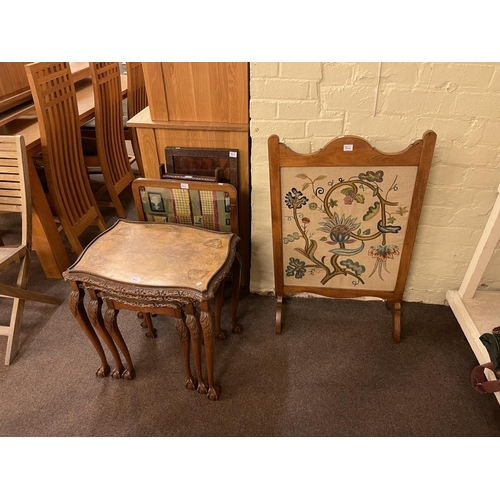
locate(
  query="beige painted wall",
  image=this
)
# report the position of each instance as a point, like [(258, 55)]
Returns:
[(308, 104)]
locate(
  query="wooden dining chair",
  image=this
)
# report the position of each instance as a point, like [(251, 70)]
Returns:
[(137, 100), (207, 205), (15, 197), (110, 155), (68, 183)]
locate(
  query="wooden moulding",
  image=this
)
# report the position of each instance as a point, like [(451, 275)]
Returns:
[(344, 219)]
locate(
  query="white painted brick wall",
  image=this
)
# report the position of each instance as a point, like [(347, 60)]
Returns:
[(308, 104)]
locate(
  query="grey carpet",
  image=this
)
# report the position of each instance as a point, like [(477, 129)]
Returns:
[(334, 372)]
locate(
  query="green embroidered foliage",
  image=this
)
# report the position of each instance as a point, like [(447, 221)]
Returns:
[(356, 267), (372, 211)]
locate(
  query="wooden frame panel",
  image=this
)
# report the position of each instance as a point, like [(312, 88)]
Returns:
[(166, 210), (212, 164), (344, 211)]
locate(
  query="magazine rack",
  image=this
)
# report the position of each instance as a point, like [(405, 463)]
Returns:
[(344, 219)]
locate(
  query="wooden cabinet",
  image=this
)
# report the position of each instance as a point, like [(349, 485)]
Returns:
[(14, 86), (199, 105)]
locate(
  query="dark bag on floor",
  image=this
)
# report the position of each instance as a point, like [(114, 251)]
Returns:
[(479, 381)]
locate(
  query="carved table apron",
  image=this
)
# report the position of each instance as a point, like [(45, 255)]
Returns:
[(154, 268)]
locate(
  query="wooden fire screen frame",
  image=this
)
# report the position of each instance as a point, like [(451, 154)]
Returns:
[(344, 219)]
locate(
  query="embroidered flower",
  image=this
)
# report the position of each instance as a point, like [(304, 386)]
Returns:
[(383, 252), (340, 228), (295, 199)]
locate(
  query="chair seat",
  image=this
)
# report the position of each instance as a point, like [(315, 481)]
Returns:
[(9, 254), (90, 125), (89, 146)]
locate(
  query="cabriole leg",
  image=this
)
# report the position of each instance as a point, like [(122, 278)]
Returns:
[(77, 308), (235, 294), (208, 335), (184, 337), (95, 314), (112, 327), (195, 334), (219, 300)]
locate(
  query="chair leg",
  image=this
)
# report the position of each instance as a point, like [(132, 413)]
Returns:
[(16, 317), (117, 204)]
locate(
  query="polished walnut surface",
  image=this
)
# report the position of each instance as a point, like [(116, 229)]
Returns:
[(163, 255)]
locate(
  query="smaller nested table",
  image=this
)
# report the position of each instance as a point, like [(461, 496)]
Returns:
[(157, 268)]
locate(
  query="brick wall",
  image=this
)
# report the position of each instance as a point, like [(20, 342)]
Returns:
[(308, 104)]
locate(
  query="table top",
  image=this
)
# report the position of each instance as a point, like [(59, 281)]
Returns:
[(160, 256)]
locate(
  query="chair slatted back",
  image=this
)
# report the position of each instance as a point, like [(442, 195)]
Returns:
[(110, 136), (137, 98), (55, 100), (202, 204), (14, 182)]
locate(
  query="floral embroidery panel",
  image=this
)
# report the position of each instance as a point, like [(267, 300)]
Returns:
[(344, 227)]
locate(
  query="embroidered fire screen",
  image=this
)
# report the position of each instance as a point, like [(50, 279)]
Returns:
[(345, 219)]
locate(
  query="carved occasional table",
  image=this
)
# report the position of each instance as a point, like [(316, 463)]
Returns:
[(154, 268)]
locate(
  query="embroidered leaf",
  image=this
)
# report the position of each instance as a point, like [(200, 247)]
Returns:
[(348, 251), (372, 211), (347, 191), (305, 186), (320, 178), (323, 239), (375, 191), (302, 176), (402, 210), (367, 231), (333, 203), (312, 248), (359, 198)]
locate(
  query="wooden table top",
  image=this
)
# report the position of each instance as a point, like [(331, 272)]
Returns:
[(157, 255)]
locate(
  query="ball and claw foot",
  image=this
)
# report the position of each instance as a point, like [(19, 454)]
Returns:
[(151, 335), (116, 374), (191, 384), (102, 371), (214, 394), (128, 374), (237, 329), (202, 388), (221, 334)]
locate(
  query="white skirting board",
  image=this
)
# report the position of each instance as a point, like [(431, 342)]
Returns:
[(477, 315)]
